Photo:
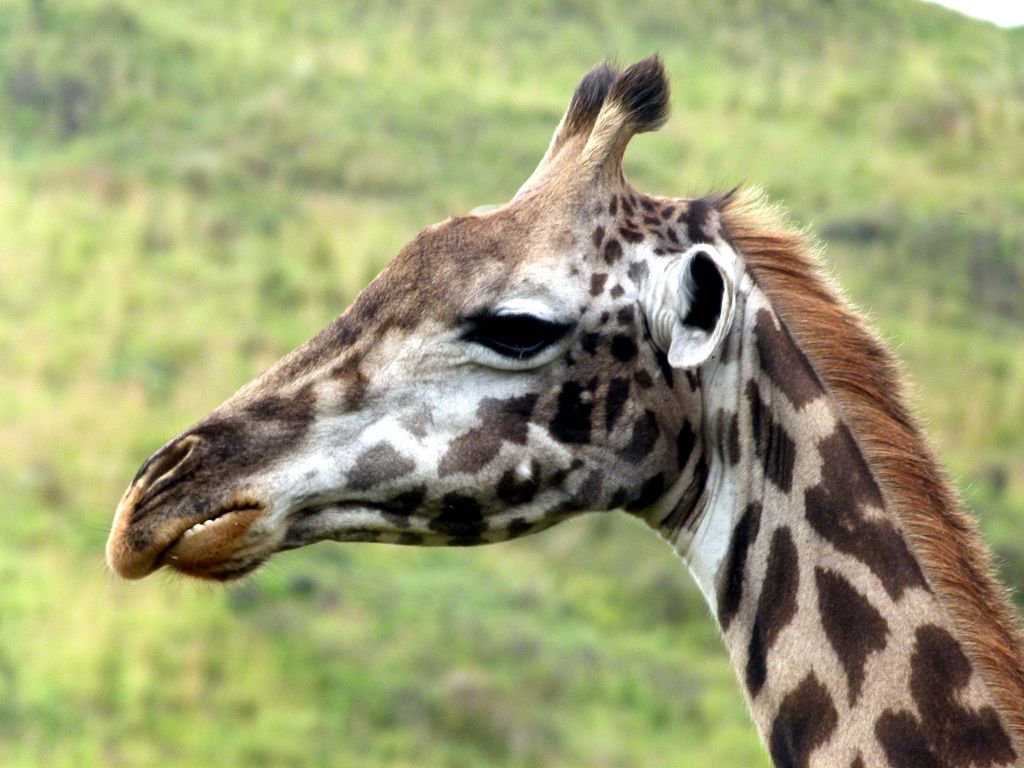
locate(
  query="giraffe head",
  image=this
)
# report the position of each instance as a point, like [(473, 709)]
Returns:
[(508, 369)]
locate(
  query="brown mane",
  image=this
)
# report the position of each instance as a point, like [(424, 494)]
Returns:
[(866, 382)]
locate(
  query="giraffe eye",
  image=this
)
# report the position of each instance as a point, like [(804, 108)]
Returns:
[(517, 336)]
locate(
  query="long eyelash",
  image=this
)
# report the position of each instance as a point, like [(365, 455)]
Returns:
[(517, 336)]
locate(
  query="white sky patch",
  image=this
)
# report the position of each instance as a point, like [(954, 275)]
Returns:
[(1005, 13)]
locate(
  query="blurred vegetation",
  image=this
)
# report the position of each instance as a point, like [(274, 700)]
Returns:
[(189, 190)]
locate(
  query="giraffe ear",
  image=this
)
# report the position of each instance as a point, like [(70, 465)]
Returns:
[(689, 304)]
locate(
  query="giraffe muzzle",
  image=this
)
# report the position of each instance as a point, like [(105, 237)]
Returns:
[(158, 522)]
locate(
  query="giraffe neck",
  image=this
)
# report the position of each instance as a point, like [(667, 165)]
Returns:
[(845, 654)]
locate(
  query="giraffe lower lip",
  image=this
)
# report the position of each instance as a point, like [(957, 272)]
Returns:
[(204, 549)]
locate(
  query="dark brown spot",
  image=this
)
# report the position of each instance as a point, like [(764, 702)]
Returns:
[(571, 423), (460, 517), (854, 627), (784, 362), (772, 444), (353, 382), (613, 206), (730, 589), (404, 504), (612, 251), (501, 421), (806, 720), (616, 292), (775, 607), (626, 315), (642, 441), (589, 342), (377, 465), (623, 348), (597, 281), (618, 394), (833, 509), (643, 379), (945, 733), (631, 235), (598, 236), (685, 440), (513, 489), (638, 271), (697, 214), (733, 439)]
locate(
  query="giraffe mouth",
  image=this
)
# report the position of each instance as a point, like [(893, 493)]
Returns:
[(217, 547)]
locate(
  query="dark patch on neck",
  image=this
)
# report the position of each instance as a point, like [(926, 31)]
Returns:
[(682, 515), (685, 440), (854, 627), (730, 589), (833, 509), (806, 720), (784, 363), (776, 607), (772, 444), (733, 439), (944, 733)]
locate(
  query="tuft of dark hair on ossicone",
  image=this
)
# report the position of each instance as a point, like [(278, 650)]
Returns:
[(589, 98), (643, 92)]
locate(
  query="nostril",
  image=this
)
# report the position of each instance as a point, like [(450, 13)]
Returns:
[(166, 462)]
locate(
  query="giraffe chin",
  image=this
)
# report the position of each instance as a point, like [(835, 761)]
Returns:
[(218, 549)]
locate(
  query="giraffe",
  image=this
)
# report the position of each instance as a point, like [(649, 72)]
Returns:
[(585, 348)]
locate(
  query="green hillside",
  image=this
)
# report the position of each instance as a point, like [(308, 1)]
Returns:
[(189, 190)]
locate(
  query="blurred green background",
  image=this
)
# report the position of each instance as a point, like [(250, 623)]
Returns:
[(190, 189)]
